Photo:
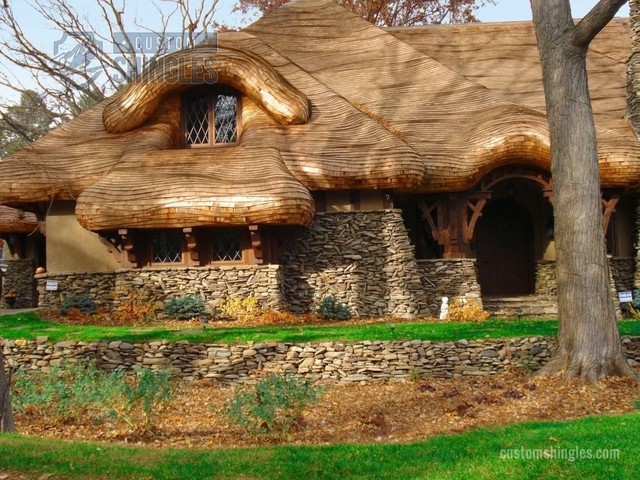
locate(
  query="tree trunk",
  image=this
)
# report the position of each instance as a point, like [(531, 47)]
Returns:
[(6, 415), (588, 339)]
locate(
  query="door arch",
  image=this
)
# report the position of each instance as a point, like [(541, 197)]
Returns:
[(504, 246)]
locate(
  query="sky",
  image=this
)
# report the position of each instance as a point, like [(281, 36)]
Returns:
[(44, 37), (521, 10)]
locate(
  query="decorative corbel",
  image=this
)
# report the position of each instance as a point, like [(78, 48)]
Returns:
[(256, 243), (128, 250), (192, 246)]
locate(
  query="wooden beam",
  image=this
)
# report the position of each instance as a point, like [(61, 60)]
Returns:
[(609, 209), (476, 205), (434, 222), (128, 248), (192, 246), (256, 243)]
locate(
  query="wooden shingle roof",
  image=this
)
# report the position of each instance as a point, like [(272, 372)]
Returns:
[(329, 102)]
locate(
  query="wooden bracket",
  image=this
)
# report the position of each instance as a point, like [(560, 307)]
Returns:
[(256, 243), (192, 246), (609, 209), (128, 248), (428, 209), (474, 205)]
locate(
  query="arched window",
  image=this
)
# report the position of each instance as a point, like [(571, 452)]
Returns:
[(210, 117)]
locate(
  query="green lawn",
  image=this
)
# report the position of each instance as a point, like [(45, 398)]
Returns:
[(475, 454), (30, 326)]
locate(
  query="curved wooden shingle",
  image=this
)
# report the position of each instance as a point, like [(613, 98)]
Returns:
[(13, 220), (178, 71)]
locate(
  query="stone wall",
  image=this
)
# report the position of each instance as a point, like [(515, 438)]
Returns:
[(633, 67), (636, 282), (212, 284), (457, 277), (622, 271), (546, 278), (329, 361), (364, 259), (17, 276), (99, 286)]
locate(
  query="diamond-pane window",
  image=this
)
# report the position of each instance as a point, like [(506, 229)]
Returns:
[(225, 115), (167, 248), (227, 247), (198, 121), (211, 117)]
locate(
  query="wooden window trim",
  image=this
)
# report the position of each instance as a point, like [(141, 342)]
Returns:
[(150, 254), (211, 93), (245, 246)]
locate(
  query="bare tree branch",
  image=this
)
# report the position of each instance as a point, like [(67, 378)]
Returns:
[(594, 21)]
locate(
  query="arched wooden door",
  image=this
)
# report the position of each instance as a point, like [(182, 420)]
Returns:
[(504, 246)]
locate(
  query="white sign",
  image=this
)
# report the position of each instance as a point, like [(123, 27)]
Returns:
[(51, 286), (626, 296)]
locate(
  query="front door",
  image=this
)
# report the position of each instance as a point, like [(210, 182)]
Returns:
[(504, 242)]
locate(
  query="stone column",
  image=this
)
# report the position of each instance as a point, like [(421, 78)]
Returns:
[(633, 67), (17, 277)]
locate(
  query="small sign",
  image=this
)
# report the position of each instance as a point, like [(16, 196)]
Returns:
[(626, 296), (51, 286)]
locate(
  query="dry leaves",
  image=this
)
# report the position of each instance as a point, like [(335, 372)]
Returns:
[(390, 412)]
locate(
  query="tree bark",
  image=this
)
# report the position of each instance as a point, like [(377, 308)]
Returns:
[(588, 339), (6, 415)]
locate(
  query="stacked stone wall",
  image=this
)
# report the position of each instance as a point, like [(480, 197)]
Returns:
[(17, 278), (328, 361), (449, 278), (364, 259)]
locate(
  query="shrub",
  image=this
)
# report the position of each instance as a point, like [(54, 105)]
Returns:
[(272, 406), (82, 303), (134, 308), (141, 397), (464, 310), (72, 390), (240, 308), (331, 308), (67, 392), (184, 308)]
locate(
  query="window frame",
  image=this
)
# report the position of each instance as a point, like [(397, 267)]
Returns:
[(210, 93), (150, 253), (245, 245)]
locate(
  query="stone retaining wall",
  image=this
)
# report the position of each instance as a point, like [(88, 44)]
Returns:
[(457, 277), (17, 275), (365, 259), (212, 284), (329, 361)]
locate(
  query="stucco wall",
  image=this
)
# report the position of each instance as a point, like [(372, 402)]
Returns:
[(71, 248)]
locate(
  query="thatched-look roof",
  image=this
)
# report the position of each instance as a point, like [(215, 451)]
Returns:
[(13, 220), (329, 102)]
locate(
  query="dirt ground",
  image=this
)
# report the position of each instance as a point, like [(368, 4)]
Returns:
[(404, 411)]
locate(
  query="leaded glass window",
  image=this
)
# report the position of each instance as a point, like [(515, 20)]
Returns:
[(227, 247), (167, 248), (226, 117), (211, 118), (197, 121)]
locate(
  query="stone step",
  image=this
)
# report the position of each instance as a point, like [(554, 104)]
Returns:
[(535, 306)]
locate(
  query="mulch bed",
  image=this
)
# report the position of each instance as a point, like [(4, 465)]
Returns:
[(401, 411)]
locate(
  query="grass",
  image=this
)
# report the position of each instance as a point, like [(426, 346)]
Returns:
[(476, 453), (29, 326)]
